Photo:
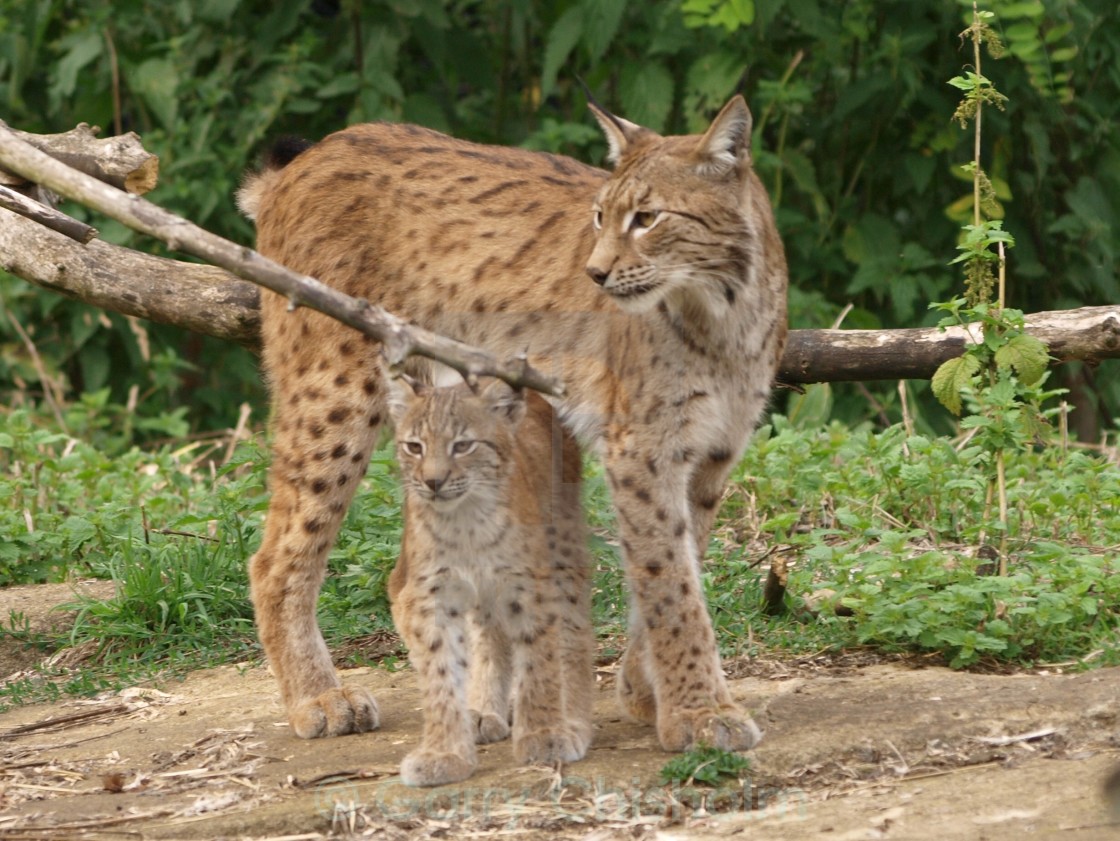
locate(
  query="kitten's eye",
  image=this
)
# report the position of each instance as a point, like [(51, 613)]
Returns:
[(413, 448), (597, 219), (644, 219), (462, 448)]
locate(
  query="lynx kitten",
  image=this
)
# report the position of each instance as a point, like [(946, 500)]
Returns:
[(492, 585), (656, 292)]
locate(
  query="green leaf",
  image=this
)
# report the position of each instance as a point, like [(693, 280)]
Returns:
[(646, 93), (84, 48), (1027, 355), (951, 377), (1033, 9), (562, 40), (696, 12), (729, 14), (345, 83), (601, 22), (709, 83), (812, 409), (156, 81)]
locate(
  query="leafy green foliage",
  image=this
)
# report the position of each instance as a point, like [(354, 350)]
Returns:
[(706, 765), (891, 523), (894, 525), (729, 14)]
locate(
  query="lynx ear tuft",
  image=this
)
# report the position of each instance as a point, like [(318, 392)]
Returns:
[(403, 392), (621, 134), (727, 142)]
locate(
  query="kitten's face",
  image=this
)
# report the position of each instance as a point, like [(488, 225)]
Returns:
[(454, 446)]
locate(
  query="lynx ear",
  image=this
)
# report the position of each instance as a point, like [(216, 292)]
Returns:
[(621, 134), (727, 141), (502, 399), (403, 392)]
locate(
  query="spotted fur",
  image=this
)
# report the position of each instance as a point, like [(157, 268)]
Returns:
[(492, 590), (667, 351)]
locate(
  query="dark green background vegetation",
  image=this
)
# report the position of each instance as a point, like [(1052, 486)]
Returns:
[(852, 122)]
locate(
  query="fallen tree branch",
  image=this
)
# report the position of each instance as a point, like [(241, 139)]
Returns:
[(208, 300), (1089, 334), (200, 298), (399, 339), (121, 160), (45, 215)]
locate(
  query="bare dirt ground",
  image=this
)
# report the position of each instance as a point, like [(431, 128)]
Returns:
[(854, 749)]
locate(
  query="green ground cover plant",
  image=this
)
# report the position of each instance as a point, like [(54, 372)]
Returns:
[(853, 138), (887, 522)]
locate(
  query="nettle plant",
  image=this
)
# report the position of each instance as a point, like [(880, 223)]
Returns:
[(998, 378)]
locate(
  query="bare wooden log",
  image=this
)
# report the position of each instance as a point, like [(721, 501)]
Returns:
[(200, 298), (121, 160), (1089, 334), (399, 339)]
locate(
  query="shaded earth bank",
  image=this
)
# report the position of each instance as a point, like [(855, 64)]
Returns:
[(853, 750)]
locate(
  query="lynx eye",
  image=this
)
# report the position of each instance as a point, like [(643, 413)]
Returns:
[(643, 219), (597, 219), (462, 448), (413, 448)]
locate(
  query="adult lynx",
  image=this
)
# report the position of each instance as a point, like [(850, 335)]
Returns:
[(667, 352), (493, 582)]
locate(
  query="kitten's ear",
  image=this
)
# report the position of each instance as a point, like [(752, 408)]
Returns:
[(403, 392), (621, 134), (503, 399), (727, 142)]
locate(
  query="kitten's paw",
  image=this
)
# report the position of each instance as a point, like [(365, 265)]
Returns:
[(545, 747), (336, 712), (425, 767), (726, 727), (489, 728), (636, 697)]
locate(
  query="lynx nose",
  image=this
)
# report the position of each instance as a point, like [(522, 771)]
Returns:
[(598, 275), (434, 483)]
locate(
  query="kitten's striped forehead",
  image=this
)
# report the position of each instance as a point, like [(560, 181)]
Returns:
[(447, 412)]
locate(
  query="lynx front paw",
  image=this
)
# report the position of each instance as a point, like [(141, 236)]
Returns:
[(544, 747), (726, 727), (424, 767), (336, 712), (489, 728)]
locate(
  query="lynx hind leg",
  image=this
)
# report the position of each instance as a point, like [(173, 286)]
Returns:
[(544, 731), (571, 578), (579, 678), (327, 408), (490, 681)]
